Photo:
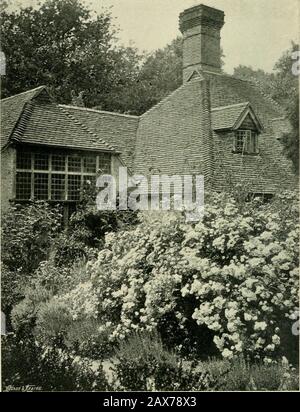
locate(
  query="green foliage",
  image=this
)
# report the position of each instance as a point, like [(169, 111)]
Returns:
[(11, 292), (25, 363), (28, 232), (286, 84), (65, 268), (290, 139), (232, 279), (264, 79), (281, 85), (159, 74), (142, 363), (24, 313), (66, 46), (86, 230), (240, 375)]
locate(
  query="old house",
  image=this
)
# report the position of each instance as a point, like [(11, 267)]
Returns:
[(214, 124)]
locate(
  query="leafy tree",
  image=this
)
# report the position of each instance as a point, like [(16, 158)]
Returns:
[(286, 84), (160, 74), (265, 80), (67, 47), (291, 139), (281, 85)]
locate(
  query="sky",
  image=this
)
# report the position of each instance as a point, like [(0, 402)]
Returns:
[(256, 32)]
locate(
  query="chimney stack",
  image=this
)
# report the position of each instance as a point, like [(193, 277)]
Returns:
[(201, 26)]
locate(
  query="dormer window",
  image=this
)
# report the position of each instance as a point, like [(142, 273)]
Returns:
[(240, 121), (245, 142)]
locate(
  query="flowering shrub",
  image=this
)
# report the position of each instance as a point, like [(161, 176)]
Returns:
[(231, 278)]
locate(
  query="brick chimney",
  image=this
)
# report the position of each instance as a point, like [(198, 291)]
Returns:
[(201, 26)]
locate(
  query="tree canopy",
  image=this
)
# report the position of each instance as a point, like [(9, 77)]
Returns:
[(67, 47)]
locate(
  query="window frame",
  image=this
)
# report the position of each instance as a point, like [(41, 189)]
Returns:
[(100, 158), (252, 135)]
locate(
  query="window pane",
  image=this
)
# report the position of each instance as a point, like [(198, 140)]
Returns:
[(74, 187), (41, 161), (104, 163), (58, 187), (41, 186), (23, 185), (23, 160), (89, 164), (239, 141), (89, 181), (74, 164), (58, 162), (246, 141)]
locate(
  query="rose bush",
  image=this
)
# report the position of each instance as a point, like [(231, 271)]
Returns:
[(231, 279)]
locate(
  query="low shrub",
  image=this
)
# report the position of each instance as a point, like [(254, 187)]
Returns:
[(27, 364), (141, 363), (241, 375)]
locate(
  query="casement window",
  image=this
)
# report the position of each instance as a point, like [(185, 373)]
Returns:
[(57, 176), (246, 142)]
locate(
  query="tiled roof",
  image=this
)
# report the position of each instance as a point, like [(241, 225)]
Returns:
[(225, 117), (118, 130), (32, 117), (171, 136), (52, 125), (232, 117), (227, 90), (11, 110)]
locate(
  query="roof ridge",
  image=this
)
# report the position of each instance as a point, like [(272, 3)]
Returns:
[(171, 95), (76, 121), (230, 105), (27, 91), (229, 76), (87, 109)]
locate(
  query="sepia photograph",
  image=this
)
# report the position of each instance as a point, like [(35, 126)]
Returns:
[(150, 198)]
